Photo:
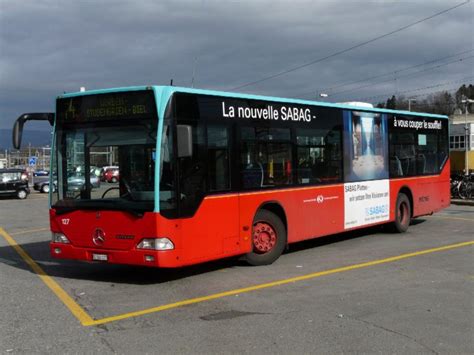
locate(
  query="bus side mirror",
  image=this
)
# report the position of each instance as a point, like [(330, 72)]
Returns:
[(185, 141), (20, 121), (17, 133)]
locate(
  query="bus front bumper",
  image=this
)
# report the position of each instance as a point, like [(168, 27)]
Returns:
[(164, 259)]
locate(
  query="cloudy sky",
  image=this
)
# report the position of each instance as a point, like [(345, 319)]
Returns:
[(48, 47)]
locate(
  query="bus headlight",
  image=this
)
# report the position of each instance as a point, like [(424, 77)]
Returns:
[(59, 238), (156, 244)]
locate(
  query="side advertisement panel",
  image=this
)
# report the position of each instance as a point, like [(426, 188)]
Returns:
[(367, 188), (366, 203), (365, 146)]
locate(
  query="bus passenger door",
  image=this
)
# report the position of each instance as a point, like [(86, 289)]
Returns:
[(209, 211)]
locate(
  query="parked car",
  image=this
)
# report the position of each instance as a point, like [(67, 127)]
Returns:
[(42, 185), (104, 171), (41, 173), (14, 182), (75, 183), (112, 175), (95, 170)]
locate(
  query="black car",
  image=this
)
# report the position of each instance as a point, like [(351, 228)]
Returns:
[(41, 173), (14, 182)]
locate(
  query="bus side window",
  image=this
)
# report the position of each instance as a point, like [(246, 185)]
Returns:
[(265, 157), (417, 152), (218, 157), (252, 170), (318, 156), (443, 147), (192, 172), (403, 158)]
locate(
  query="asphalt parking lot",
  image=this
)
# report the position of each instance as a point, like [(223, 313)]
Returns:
[(363, 292)]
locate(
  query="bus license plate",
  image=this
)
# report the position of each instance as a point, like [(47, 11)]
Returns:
[(99, 257)]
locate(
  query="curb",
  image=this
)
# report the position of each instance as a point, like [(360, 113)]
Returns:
[(462, 202)]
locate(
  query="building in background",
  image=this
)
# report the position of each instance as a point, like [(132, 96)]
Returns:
[(12, 158), (461, 136)]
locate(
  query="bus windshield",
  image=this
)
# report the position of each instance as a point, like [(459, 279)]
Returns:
[(105, 152), (102, 166)]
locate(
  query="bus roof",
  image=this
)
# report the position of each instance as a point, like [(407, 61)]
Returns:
[(169, 90)]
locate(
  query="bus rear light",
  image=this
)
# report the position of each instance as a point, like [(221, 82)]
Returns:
[(156, 244), (59, 238)]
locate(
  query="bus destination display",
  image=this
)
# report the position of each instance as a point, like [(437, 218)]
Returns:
[(105, 107)]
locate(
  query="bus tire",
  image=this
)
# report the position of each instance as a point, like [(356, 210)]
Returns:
[(402, 214), (268, 239)]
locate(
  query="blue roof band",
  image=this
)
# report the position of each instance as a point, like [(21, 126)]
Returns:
[(164, 92)]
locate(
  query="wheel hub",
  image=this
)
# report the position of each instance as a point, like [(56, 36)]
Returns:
[(264, 237)]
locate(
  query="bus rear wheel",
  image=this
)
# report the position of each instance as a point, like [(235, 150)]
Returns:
[(268, 239), (402, 214)]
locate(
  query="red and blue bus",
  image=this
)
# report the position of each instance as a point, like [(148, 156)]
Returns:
[(206, 175)]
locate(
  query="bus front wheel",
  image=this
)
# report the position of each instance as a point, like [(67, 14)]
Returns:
[(268, 239), (402, 214)]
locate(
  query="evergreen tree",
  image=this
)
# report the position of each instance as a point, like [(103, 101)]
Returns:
[(465, 92), (442, 102), (391, 103)]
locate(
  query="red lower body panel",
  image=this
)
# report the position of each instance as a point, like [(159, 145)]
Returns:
[(222, 226), (132, 257)]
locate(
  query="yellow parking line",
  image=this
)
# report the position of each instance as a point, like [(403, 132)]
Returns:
[(87, 320), (72, 305), (276, 283), (26, 231)]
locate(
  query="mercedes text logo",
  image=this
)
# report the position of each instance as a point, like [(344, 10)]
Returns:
[(98, 237)]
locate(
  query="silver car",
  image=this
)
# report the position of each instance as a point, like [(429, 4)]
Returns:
[(76, 182)]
